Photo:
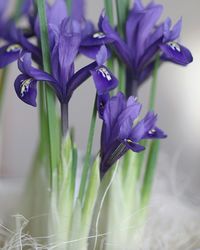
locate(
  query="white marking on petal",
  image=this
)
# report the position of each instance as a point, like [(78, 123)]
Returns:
[(175, 46), (99, 35), (152, 131), (13, 48), (104, 72), (25, 86)]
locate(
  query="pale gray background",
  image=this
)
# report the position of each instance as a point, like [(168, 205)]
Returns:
[(178, 104)]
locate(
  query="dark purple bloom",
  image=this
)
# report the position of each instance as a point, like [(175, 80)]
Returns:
[(120, 133), (63, 80), (144, 40), (15, 38)]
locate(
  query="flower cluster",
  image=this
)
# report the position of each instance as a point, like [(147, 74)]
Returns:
[(71, 35), (144, 40)]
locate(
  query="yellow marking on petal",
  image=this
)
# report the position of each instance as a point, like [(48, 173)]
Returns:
[(13, 48), (25, 86), (129, 141)]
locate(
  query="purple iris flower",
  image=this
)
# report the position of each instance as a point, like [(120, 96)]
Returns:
[(15, 38), (121, 132), (144, 40), (64, 80)]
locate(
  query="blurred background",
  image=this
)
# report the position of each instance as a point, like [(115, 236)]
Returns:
[(178, 106)]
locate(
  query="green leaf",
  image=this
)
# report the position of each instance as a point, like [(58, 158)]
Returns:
[(91, 196), (69, 5), (122, 13), (49, 95), (88, 152), (109, 10), (150, 172)]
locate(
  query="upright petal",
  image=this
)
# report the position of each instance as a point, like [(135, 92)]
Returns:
[(145, 125), (68, 47), (78, 10), (146, 24)]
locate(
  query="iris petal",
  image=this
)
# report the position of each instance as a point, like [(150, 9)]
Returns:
[(26, 90), (176, 53), (104, 80), (9, 54)]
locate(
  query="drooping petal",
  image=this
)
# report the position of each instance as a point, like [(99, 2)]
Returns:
[(155, 133), (26, 89), (9, 54), (135, 147), (25, 66), (79, 77), (104, 80), (176, 53)]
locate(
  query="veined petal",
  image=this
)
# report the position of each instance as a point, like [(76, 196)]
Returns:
[(68, 47), (26, 89), (9, 54), (176, 53), (104, 80)]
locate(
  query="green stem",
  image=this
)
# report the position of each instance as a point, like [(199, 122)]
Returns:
[(122, 11), (50, 97), (43, 122), (154, 84), (151, 107), (121, 76), (3, 74), (88, 153), (149, 173), (69, 5), (153, 147), (17, 12), (109, 10)]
